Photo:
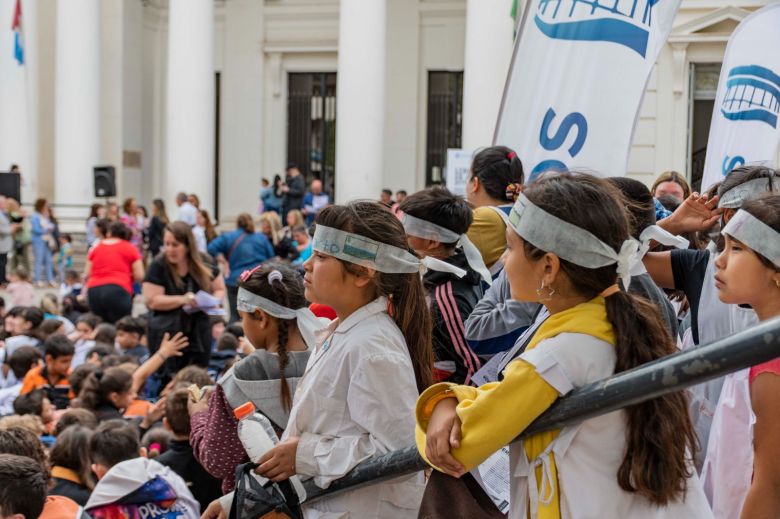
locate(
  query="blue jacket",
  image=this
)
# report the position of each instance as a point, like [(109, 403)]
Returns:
[(253, 250)]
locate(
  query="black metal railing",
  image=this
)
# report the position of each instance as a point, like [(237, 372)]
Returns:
[(654, 379)]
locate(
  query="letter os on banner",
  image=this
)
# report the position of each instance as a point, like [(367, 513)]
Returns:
[(577, 79), (745, 127)]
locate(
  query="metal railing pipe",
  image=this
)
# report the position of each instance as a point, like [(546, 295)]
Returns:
[(667, 375)]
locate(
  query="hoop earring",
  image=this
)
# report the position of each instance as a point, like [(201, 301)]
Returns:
[(548, 295)]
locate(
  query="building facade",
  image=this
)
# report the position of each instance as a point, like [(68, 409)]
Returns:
[(210, 96)]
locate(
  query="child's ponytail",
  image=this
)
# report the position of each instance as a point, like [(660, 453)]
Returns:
[(660, 438), (99, 385)]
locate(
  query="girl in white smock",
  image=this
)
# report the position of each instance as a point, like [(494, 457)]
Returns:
[(741, 473), (356, 398), (568, 244)]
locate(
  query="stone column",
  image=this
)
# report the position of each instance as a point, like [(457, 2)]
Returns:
[(489, 29), (360, 99), (77, 101), (190, 103)]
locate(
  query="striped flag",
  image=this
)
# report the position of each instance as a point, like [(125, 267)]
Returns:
[(17, 28)]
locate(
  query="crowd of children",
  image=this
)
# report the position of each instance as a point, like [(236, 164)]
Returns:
[(444, 321)]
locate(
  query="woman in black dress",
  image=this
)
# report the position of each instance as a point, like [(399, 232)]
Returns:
[(157, 226), (173, 279)]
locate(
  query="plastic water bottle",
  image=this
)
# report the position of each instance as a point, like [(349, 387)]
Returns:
[(258, 436), (255, 431)]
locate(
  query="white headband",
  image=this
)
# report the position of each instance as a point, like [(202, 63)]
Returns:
[(662, 236), (308, 323), (750, 190), (574, 244), (430, 231), (754, 233), (375, 255)]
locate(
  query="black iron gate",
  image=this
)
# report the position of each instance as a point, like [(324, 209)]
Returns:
[(445, 109), (311, 125)]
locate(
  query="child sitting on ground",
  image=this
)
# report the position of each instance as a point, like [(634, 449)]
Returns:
[(22, 361), (129, 485), (179, 456), (36, 404), (84, 337), (71, 284), (225, 356), (52, 377), (129, 332), (25, 329), (21, 290)]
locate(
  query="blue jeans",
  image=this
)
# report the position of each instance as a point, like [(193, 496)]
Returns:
[(43, 259)]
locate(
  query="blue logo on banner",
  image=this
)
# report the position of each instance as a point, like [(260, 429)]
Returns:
[(752, 94), (626, 22)]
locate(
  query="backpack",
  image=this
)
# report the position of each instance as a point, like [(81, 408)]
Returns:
[(270, 501)]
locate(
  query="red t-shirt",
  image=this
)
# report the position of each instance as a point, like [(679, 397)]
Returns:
[(112, 264)]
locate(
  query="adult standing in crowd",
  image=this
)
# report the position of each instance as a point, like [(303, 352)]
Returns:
[(273, 196), (243, 249), (130, 219), (188, 213), (96, 212), (671, 183), (169, 289), (157, 226), (204, 231), (271, 227), (294, 188), (314, 201), (22, 235), (111, 268), (43, 242), (6, 239)]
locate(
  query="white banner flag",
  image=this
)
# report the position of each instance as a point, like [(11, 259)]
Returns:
[(576, 82), (745, 127)]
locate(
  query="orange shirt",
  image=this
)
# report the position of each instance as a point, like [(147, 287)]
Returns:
[(59, 394)]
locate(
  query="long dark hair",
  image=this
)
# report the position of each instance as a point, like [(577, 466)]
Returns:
[(405, 291), (660, 437), (158, 210), (99, 385), (288, 293), (71, 451), (182, 233)]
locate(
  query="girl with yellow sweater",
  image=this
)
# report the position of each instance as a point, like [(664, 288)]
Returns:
[(568, 243)]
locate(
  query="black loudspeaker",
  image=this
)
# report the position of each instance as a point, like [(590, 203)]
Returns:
[(105, 181), (10, 186)]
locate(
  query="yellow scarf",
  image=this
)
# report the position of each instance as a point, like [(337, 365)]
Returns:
[(588, 318)]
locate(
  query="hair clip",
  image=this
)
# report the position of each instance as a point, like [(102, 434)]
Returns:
[(275, 275), (511, 155), (248, 273), (513, 191)]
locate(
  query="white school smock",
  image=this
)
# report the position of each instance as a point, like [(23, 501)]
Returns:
[(728, 467), (716, 320), (355, 401), (587, 455)]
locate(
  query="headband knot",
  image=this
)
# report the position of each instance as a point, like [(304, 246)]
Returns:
[(511, 155)]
